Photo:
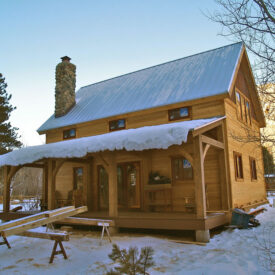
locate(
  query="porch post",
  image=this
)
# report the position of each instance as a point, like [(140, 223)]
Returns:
[(113, 201), (45, 185), (51, 185), (113, 204), (6, 191), (201, 235)]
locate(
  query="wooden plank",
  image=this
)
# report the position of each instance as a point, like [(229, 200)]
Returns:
[(46, 235), (22, 220), (187, 242), (85, 221), (46, 220), (58, 211), (212, 142)]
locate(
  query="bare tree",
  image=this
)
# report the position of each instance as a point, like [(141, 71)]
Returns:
[(253, 22)]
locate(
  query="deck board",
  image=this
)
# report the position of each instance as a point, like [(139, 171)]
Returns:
[(148, 220)]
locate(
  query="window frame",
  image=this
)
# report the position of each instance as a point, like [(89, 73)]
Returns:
[(75, 185), (68, 130), (243, 112), (173, 169), (251, 160), (176, 109), (116, 120), (237, 155)]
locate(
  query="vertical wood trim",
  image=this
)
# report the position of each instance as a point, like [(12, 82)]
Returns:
[(112, 173), (51, 185), (6, 193), (199, 178), (227, 168), (90, 186), (45, 184)]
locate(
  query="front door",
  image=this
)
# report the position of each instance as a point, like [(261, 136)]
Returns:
[(128, 181)]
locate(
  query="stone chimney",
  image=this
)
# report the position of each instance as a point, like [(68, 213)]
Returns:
[(65, 78)]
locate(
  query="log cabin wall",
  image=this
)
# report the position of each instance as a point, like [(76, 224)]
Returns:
[(203, 108), (244, 191)]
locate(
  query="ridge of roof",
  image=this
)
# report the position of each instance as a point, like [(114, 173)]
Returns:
[(167, 62)]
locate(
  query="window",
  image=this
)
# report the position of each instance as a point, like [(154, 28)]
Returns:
[(179, 113), (78, 178), (238, 163), (243, 108), (253, 169), (117, 124), (182, 169), (238, 102), (71, 133)]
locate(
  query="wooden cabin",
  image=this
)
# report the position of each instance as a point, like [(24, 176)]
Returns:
[(173, 146)]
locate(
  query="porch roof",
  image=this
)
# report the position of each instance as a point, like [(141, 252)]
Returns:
[(148, 137)]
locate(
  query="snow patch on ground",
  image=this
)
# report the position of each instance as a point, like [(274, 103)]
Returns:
[(230, 252)]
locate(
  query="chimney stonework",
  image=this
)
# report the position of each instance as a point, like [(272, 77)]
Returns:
[(65, 77)]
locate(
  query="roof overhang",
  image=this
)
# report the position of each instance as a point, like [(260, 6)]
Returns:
[(144, 138)]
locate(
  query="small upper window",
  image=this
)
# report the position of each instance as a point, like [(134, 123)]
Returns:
[(182, 169), (71, 133), (253, 169), (238, 163), (117, 124), (179, 113)]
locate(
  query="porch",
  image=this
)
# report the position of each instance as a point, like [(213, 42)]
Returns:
[(191, 191)]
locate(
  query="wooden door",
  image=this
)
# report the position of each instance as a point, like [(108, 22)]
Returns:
[(128, 180)]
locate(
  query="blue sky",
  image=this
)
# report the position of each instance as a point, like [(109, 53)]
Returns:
[(103, 38)]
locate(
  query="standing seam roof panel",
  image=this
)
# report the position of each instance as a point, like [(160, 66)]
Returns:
[(197, 76)]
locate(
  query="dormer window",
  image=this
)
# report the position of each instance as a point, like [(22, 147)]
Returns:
[(118, 124), (179, 113), (71, 133)]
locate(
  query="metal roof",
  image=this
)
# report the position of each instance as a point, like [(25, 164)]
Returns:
[(202, 75)]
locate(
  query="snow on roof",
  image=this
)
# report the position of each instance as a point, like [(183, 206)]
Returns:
[(202, 75), (149, 137)]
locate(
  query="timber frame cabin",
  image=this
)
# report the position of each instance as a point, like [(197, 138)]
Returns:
[(158, 148)]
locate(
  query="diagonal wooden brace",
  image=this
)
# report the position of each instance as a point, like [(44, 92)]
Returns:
[(55, 252)]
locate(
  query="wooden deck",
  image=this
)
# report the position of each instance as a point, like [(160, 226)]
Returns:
[(147, 220)]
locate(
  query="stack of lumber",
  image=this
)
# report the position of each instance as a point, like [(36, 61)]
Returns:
[(21, 225)]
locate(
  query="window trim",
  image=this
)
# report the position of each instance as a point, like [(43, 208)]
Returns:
[(235, 156), (244, 115), (175, 109), (112, 130), (173, 158), (75, 177), (69, 131), (251, 159)]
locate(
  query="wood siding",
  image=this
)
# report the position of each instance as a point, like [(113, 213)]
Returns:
[(246, 191), (151, 117)]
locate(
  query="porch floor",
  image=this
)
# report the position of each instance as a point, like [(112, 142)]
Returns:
[(146, 220)]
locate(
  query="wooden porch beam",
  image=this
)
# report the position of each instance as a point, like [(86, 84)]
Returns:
[(51, 185), (112, 173), (199, 178), (206, 148), (212, 142), (6, 192), (202, 129), (34, 165)]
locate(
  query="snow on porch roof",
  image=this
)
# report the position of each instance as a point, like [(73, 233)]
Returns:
[(148, 137)]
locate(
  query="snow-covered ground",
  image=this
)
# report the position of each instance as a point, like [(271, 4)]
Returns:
[(230, 252)]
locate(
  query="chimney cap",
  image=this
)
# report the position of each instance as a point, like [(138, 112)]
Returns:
[(65, 58)]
